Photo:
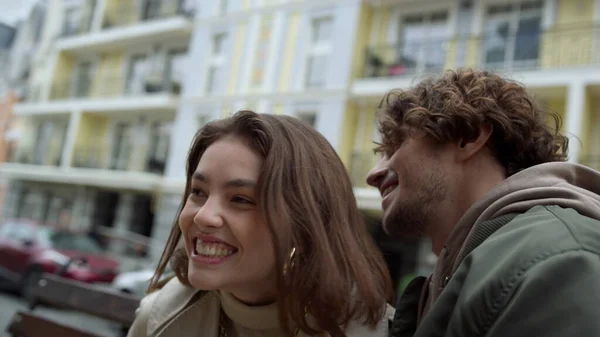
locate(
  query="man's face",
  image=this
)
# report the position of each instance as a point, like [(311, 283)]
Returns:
[(413, 184)]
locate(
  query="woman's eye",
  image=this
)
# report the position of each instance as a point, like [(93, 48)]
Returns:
[(242, 200), (197, 192)]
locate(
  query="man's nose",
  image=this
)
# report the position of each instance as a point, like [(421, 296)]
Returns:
[(376, 175)]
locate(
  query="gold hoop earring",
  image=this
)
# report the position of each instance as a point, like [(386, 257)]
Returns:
[(289, 265)]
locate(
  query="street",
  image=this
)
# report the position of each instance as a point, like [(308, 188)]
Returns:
[(10, 303)]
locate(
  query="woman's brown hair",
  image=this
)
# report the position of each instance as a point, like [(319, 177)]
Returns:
[(306, 198)]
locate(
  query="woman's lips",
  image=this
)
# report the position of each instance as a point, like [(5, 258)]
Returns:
[(212, 248)]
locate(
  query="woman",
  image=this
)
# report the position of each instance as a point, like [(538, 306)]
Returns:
[(269, 241)]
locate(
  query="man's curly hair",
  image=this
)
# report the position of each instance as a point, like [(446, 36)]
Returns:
[(454, 106)]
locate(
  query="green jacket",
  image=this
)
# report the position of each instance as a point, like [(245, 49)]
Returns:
[(528, 272)]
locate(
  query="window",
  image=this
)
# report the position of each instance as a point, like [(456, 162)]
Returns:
[(176, 61), (262, 52), (318, 55), (121, 148), (187, 7), (151, 9), (309, 118), (421, 43), (160, 137), (136, 74), (512, 36), (43, 137), (78, 18), (215, 75), (83, 80), (72, 22)]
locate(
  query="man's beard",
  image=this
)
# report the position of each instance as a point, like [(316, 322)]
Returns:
[(410, 218)]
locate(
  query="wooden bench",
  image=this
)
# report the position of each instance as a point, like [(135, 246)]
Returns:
[(67, 294)]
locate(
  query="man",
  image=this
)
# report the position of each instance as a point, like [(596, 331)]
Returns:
[(470, 161)]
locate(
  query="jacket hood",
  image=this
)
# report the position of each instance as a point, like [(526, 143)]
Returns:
[(563, 184), (567, 185)]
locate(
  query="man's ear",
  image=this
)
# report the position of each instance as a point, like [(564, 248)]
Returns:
[(468, 148)]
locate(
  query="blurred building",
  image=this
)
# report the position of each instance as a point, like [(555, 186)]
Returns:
[(96, 126), (282, 57), (7, 99), (116, 89)]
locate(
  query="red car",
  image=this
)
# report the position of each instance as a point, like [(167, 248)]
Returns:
[(27, 250)]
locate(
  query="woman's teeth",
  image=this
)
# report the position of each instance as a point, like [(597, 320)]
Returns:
[(213, 249)]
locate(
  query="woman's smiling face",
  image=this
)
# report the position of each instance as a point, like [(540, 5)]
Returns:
[(227, 241)]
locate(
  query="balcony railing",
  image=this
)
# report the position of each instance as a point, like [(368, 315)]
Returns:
[(98, 158), (105, 86), (128, 12), (559, 47), (90, 158), (34, 156)]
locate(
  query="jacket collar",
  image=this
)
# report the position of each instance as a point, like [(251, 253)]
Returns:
[(171, 300)]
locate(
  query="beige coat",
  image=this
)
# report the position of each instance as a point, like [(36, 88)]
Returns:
[(179, 311)]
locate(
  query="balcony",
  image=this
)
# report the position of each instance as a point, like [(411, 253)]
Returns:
[(396, 65), (90, 158), (98, 158), (125, 22), (108, 86), (125, 13), (35, 156)]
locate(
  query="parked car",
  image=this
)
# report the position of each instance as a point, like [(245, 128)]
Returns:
[(28, 249), (136, 282)]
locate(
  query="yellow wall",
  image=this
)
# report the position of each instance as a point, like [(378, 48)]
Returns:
[(277, 109), (110, 76), (382, 27), (289, 52), (558, 105), (569, 41), (590, 133), (120, 13), (61, 79), (236, 57), (574, 12), (226, 110), (362, 40), (356, 145), (91, 136), (349, 125), (587, 147)]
